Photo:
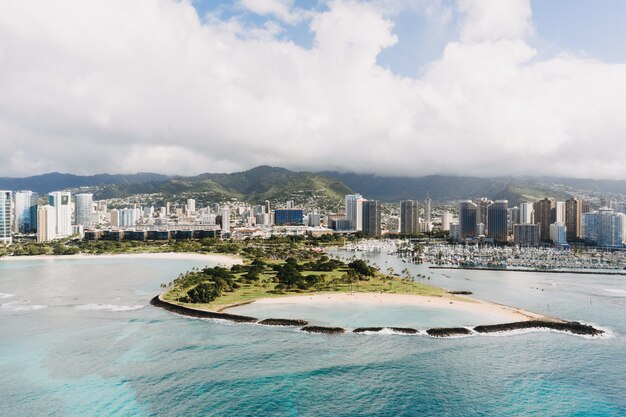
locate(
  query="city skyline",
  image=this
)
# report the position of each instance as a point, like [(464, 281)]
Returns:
[(185, 86)]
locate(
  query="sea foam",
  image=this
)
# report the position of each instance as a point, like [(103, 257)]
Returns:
[(108, 307)]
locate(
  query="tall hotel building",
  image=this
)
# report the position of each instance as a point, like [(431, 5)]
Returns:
[(83, 208), (545, 215), (46, 224), (409, 217), (60, 200), (5, 218), (497, 220), (25, 211), (354, 210), (573, 219), (372, 218), (467, 220)]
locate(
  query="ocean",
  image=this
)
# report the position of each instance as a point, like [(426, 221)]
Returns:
[(79, 338)]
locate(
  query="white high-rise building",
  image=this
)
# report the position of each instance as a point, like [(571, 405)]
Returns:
[(6, 201), (128, 217), (46, 223), (526, 213), (191, 206), (61, 200), (446, 219), (558, 233), (83, 209), (114, 217), (25, 206), (560, 212), (354, 210)]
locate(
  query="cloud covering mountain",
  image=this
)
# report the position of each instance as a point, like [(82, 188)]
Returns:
[(149, 85)]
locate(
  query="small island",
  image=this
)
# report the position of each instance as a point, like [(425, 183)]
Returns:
[(314, 277)]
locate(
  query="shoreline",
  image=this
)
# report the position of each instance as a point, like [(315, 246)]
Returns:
[(571, 327), (210, 257), (445, 302), (548, 271)]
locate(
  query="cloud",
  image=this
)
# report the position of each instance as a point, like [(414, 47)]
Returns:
[(281, 9), (118, 86)]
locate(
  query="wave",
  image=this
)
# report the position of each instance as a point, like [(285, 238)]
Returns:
[(6, 295), (21, 306), (108, 307), (618, 293)]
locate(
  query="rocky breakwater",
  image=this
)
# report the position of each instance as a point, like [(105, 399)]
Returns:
[(405, 330), (564, 326), (192, 312), (284, 322), (448, 331), (321, 329)]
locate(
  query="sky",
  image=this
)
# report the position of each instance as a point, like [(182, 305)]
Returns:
[(390, 87)]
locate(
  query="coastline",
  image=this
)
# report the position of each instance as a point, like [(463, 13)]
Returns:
[(220, 258), (448, 302), (548, 271)]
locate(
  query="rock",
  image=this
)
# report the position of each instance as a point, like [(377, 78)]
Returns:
[(192, 312), (321, 329), (284, 322), (406, 330), (460, 292), (568, 326), (448, 331), (367, 329)]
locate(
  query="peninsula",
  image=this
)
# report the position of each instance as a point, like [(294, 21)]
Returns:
[(215, 292)]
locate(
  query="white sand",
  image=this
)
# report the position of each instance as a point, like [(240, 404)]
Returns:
[(501, 312), (222, 259)]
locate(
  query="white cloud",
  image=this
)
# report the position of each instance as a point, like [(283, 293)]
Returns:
[(282, 9), (118, 86)]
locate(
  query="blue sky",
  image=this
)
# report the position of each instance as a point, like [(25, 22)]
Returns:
[(593, 29)]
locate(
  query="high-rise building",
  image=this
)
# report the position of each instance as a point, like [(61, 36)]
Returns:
[(46, 223), (482, 206), (225, 220), (558, 233), (560, 212), (114, 217), (514, 217), (604, 228), (6, 201), (191, 206), (354, 210), (61, 200), (446, 219), (409, 217), (527, 213), (427, 213), (25, 211), (497, 220), (83, 209), (526, 235), (573, 219), (288, 217), (128, 217), (467, 220), (266, 205), (372, 216), (545, 215)]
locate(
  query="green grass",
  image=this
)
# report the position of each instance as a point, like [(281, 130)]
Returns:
[(265, 286)]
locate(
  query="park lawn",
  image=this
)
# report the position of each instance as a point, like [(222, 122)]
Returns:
[(264, 288)]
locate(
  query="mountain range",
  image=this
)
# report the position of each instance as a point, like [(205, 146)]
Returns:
[(328, 187)]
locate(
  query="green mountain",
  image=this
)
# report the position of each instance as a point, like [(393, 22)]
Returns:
[(255, 185)]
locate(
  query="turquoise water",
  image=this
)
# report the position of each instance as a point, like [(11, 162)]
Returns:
[(78, 338)]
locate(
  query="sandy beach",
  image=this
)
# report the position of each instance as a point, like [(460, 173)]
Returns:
[(502, 312), (222, 259)]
